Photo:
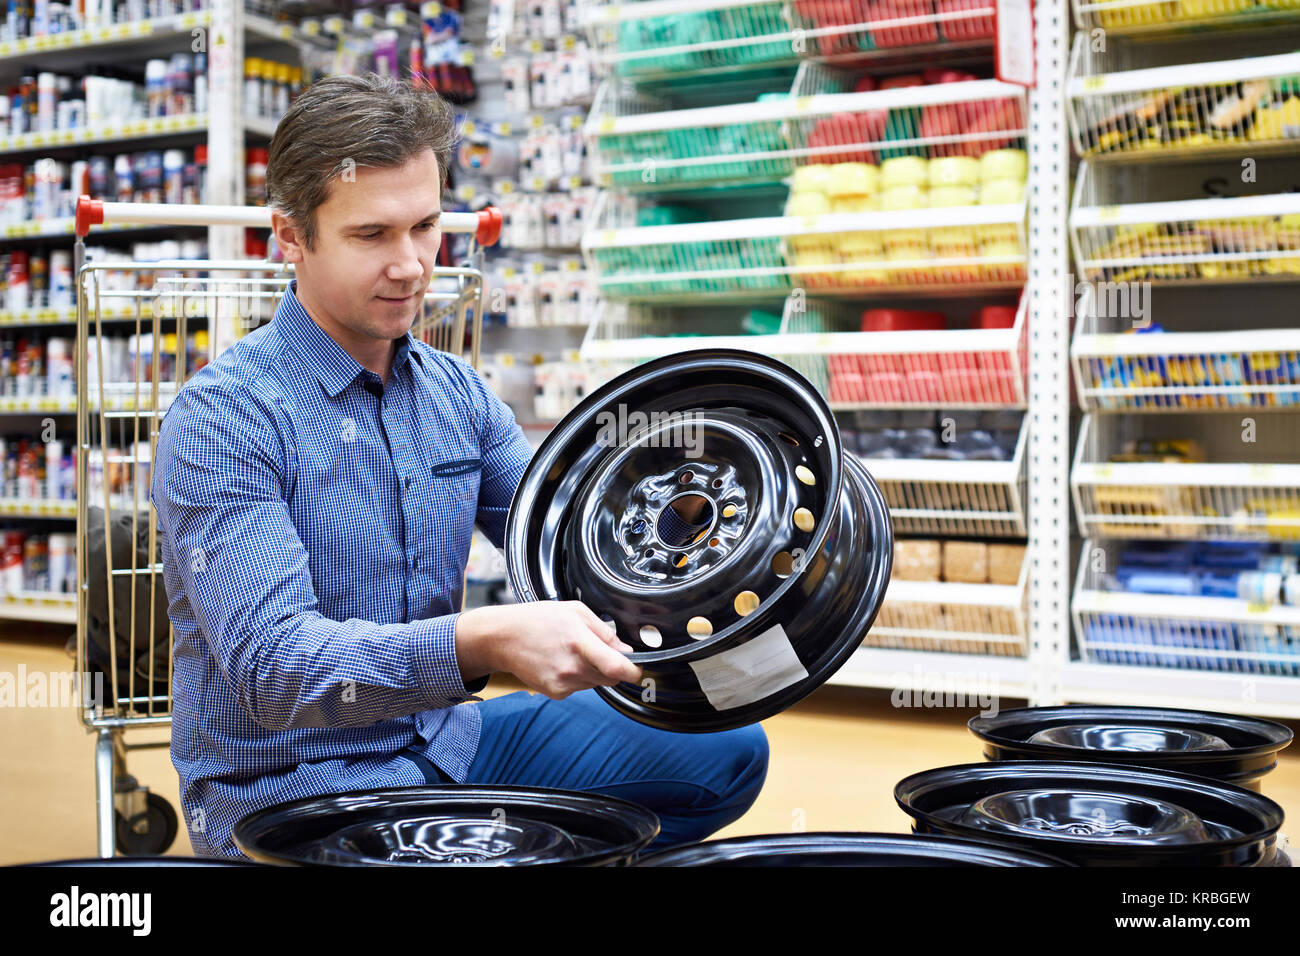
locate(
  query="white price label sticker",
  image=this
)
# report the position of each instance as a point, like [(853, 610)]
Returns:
[(746, 674)]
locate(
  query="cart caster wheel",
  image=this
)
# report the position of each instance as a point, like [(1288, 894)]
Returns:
[(156, 834)]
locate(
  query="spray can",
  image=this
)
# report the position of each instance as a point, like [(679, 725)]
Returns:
[(155, 86), (173, 162)]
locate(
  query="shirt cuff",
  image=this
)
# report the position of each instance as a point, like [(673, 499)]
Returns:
[(434, 665)]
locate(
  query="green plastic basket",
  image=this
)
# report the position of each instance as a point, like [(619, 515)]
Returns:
[(694, 29), (634, 271), (647, 151)]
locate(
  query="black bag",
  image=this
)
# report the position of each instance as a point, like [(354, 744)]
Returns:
[(147, 640)]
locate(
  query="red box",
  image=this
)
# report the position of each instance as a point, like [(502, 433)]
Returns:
[(902, 320), (913, 35), (994, 317), (969, 28)]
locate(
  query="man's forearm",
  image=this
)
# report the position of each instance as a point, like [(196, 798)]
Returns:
[(476, 644)]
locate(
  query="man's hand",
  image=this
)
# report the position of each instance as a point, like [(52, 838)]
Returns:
[(553, 647)]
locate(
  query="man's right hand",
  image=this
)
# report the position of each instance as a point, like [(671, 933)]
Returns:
[(553, 647)]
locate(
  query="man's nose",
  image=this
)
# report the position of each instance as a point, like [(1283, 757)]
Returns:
[(406, 265)]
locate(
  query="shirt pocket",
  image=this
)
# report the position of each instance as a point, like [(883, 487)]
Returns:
[(453, 485)]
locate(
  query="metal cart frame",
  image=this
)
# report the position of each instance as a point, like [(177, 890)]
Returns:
[(231, 297)]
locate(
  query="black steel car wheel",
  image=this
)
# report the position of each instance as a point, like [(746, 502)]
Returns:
[(847, 849), (1226, 747), (465, 825), (704, 504), (1094, 814)]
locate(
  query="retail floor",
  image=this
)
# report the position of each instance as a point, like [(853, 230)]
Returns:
[(834, 761)]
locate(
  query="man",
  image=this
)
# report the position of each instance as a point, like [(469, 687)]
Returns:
[(315, 542)]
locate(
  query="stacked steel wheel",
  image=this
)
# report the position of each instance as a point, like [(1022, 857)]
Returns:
[(1112, 786)]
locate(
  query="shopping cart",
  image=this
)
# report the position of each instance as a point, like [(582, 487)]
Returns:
[(143, 329)]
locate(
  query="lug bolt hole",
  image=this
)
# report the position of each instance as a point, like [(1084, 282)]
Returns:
[(746, 603)]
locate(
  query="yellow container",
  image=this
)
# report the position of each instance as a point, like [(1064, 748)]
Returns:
[(901, 198), (862, 247), (853, 179), (1004, 164), (849, 204), (810, 179), (904, 171), (998, 191), (952, 196), (954, 171), (807, 204)]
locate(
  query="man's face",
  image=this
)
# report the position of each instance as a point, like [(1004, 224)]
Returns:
[(377, 240)]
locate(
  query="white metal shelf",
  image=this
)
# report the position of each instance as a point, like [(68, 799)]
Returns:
[(260, 127), (1260, 694), (955, 247), (109, 133), (1226, 239), (105, 39), (657, 39), (821, 121), (971, 675), (1185, 109), (58, 228), (954, 618), (46, 607), (67, 315), (976, 498), (1163, 16), (1163, 371), (1181, 632), (37, 508), (958, 368), (1223, 499)]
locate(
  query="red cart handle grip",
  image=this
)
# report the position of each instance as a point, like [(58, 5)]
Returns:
[(490, 221), (90, 212)]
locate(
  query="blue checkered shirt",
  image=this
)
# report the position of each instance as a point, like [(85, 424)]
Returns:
[(314, 542)]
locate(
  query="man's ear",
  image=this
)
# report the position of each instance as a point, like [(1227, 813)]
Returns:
[(287, 237)]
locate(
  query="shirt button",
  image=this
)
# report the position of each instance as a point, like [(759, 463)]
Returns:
[(415, 562), (408, 481)]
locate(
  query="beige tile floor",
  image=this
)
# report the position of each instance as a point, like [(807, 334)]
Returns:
[(834, 761)]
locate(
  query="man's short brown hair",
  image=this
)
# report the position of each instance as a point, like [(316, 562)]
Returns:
[(341, 122)]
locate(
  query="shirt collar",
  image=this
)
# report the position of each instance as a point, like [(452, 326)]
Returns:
[(334, 367)]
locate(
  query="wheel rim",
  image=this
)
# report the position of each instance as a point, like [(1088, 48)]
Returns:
[(457, 824), (704, 504), (1095, 814), (1227, 747), (847, 849)]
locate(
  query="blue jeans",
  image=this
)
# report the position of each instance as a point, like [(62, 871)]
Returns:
[(696, 783)]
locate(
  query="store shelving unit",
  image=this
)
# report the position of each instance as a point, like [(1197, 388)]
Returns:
[(1161, 17), (1153, 123), (220, 31), (722, 282), (1184, 200)]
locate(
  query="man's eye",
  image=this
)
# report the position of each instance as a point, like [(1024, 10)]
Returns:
[(427, 226), (371, 235)]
